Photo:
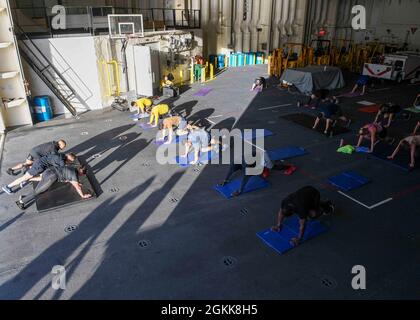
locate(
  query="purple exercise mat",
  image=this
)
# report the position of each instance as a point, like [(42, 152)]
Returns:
[(203, 92)]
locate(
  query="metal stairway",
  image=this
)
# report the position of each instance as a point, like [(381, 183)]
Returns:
[(45, 70)]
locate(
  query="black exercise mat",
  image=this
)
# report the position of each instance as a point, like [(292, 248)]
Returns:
[(307, 121), (402, 161), (63, 194)]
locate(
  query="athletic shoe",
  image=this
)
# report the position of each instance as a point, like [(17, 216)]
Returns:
[(10, 172), (236, 194), (328, 208), (20, 204), (223, 183), (23, 184), (7, 190)]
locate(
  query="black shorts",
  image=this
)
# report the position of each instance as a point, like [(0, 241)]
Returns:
[(36, 170)]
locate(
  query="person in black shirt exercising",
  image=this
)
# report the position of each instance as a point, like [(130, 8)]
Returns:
[(63, 174), (307, 204), (37, 152)]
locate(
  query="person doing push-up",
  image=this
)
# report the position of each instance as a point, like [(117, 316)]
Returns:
[(307, 204)]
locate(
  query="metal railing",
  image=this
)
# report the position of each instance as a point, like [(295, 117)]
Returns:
[(46, 71), (36, 21)]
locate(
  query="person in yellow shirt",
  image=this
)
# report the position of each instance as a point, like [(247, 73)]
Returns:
[(142, 104), (157, 112)]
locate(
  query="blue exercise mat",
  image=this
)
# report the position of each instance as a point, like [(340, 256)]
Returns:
[(348, 181), (362, 150), (254, 183), (185, 162), (286, 153), (256, 135), (145, 126), (280, 241), (139, 116)]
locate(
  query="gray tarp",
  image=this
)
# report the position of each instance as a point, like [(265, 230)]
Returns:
[(313, 78)]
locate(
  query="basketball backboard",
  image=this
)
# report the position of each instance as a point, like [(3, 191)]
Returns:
[(123, 25)]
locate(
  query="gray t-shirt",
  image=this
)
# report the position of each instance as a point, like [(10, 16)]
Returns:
[(66, 174)]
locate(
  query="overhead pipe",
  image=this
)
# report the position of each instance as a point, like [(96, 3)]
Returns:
[(277, 24), (304, 18), (325, 10), (318, 8), (255, 24), (205, 17), (264, 22), (238, 25), (292, 18), (285, 20), (214, 26), (214, 16), (343, 9), (284, 17), (332, 18), (226, 27), (246, 27)]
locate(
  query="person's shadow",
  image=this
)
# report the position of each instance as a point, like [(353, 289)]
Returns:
[(200, 118), (185, 109), (122, 155)]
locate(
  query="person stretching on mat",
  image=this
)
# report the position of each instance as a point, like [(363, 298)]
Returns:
[(157, 112), (63, 174), (363, 81), (373, 132), (38, 167), (167, 128), (243, 166), (307, 204), (199, 140), (331, 112), (388, 111), (259, 84), (36, 153), (142, 104)]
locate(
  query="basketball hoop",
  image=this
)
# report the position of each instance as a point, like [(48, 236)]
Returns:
[(125, 26)]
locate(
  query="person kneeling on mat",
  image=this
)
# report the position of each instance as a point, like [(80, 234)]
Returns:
[(168, 125), (38, 167), (373, 132), (260, 84), (36, 153), (199, 140), (331, 112), (307, 204), (63, 174), (142, 104), (157, 112), (388, 111)]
